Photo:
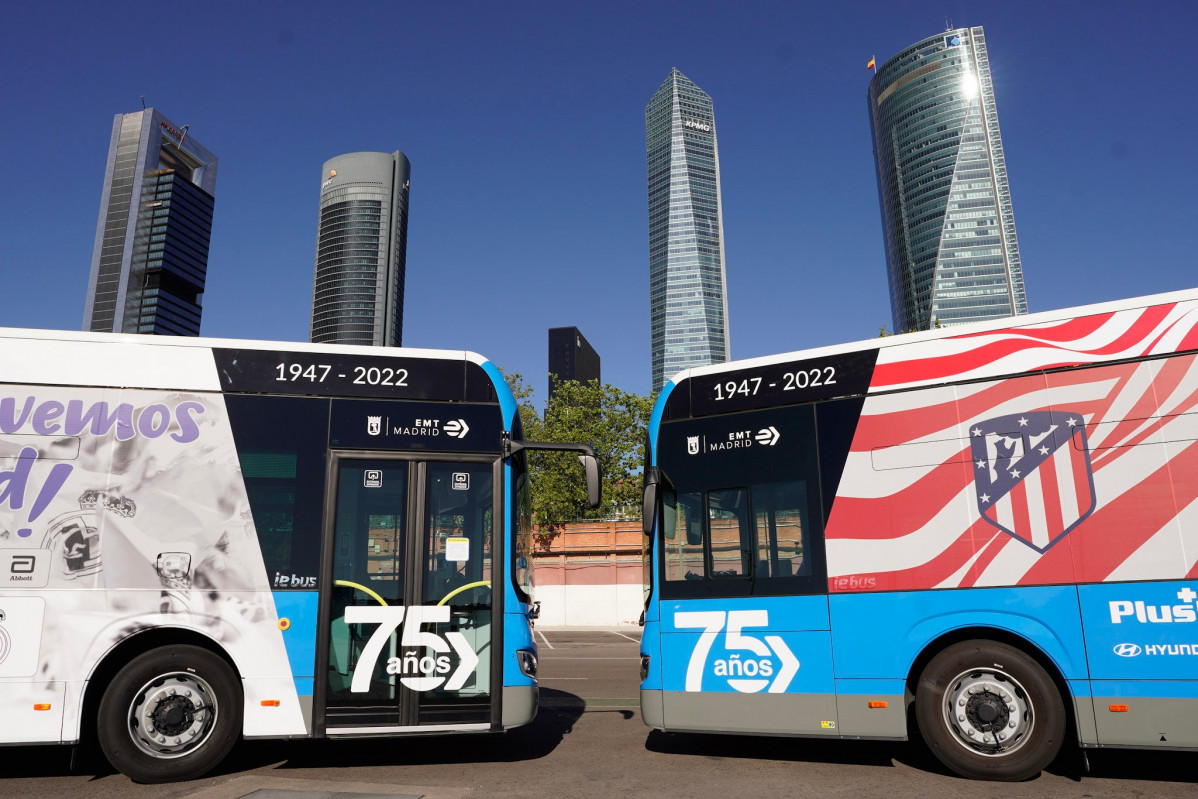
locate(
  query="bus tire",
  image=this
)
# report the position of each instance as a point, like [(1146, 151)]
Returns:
[(988, 711), (170, 714)]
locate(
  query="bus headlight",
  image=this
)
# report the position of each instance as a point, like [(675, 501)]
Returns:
[(528, 662), (644, 667)]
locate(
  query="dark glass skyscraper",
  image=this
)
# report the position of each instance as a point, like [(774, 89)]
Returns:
[(150, 260), (361, 250), (688, 305), (951, 251), (571, 357)]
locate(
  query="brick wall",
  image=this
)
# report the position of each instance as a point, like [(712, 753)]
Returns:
[(590, 574)]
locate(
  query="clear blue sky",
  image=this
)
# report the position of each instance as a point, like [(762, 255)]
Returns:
[(524, 123)]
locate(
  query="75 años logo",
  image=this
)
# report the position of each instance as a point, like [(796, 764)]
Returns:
[(421, 672), (751, 664)]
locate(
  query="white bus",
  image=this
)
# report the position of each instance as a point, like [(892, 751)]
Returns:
[(202, 540)]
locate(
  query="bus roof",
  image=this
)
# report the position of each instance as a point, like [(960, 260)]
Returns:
[(1131, 328), (64, 357)]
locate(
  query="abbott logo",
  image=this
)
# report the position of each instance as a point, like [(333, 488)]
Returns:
[(1127, 650)]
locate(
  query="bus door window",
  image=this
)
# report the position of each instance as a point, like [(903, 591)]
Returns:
[(458, 543), (368, 571)]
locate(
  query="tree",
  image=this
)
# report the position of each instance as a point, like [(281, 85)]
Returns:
[(528, 412), (611, 420), (883, 332)]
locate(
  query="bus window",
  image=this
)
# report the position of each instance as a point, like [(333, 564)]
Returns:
[(779, 510), (281, 448), (775, 545), (728, 520), (682, 520)]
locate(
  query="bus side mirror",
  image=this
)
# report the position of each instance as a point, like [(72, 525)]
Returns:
[(587, 459), (649, 500), (594, 494)]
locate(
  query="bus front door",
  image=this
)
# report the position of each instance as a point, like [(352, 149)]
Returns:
[(408, 627)]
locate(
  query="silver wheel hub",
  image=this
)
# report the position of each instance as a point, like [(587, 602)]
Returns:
[(988, 712), (172, 715)]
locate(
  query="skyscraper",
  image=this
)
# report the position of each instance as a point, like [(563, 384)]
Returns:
[(361, 250), (951, 252), (688, 305), (151, 255), (571, 357)]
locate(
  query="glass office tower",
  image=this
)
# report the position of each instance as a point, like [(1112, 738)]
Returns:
[(571, 357), (361, 250), (688, 306), (951, 252), (150, 260)]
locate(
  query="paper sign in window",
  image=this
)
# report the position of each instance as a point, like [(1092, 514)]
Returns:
[(457, 549)]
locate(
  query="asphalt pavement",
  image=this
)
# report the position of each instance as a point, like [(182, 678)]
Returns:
[(588, 741)]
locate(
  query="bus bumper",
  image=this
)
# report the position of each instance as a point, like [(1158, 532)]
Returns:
[(519, 705), (652, 709)]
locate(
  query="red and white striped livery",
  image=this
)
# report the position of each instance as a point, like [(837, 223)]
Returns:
[(993, 528), (907, 512)]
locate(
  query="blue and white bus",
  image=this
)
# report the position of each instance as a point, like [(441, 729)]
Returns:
[(993, 528), (202, 540)]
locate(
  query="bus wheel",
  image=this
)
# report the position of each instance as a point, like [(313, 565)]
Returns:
[(988, 711), (170, 714)]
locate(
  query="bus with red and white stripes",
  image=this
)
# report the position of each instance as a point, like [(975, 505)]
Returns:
[(992, 528)]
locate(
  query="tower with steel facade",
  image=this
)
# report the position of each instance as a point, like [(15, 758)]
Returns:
[(951, 252), (688, 305), (361, 250), (150, 260)]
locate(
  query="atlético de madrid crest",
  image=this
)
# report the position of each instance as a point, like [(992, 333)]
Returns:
[(1032, 474)]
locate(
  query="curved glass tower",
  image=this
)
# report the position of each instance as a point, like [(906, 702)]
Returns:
[(688, 305), (951, 252), (357, 295)]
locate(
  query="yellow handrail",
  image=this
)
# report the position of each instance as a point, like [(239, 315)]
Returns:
[(466, 587), (361, 588), (383, 602)]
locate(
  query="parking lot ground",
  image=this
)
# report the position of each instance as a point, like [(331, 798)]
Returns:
[(588, 741), (593, 668)]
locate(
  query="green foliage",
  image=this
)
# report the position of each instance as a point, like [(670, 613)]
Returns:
[(611, 420), (523, 394), (883, 332)]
